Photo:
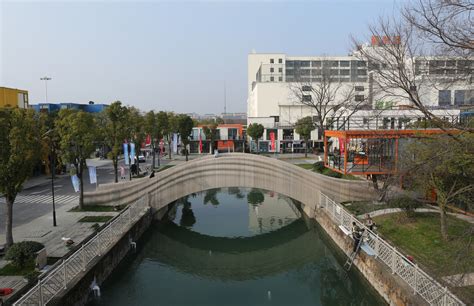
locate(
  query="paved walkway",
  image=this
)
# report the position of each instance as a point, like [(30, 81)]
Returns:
[(460, 280), (423, 210)]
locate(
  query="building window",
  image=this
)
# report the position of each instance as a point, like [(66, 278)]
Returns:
[(304, 63), (463, 97), (280, 60), (306, 88), (361, 64), (307, 98), (272, 61), (271, 69), (280, 69), (280, 79), (359, 98), (344, 72), (272, 79), (359, 88), (316, 63), (444, 97), (276, 118), (344, 63)]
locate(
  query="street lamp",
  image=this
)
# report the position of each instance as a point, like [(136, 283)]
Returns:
[(52, 160), (46, 79)]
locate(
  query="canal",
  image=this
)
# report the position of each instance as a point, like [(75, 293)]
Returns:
[(235, 246)]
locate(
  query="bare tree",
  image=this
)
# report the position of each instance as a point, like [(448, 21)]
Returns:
[(448, 24), (331, 100)]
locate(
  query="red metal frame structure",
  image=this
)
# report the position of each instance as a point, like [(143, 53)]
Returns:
[(364, 152)]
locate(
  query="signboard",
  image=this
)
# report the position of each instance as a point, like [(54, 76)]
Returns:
[(125, 153), (92, 175), (272, 139)]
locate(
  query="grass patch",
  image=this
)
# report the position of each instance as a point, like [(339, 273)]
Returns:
[(421, 238), (464, 293), (10, 269), (98, 208), (363, 207), (328, 172), (96, 219)]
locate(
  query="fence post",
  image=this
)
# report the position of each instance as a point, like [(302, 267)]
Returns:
[(415, 286), (83, 255), (394, 260), (65, 274), (40, 289), (377, 245), (445, 296)]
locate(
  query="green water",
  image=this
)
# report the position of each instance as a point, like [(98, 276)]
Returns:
[(235, 246)]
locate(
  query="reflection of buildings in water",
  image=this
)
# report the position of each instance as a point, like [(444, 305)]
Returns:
[(273, 213)]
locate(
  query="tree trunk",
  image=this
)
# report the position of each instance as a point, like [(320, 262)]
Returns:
[(169, 149), (115, 161), (258, 149), (442, 214), (81, 186), (186, 150), (374, 181), (9, 220), (306, 148)]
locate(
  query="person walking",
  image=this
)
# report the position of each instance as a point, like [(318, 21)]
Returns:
[(357, 235), (122, 173), (369, 222)]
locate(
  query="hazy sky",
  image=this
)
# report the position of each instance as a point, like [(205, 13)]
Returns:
[(165, 55)]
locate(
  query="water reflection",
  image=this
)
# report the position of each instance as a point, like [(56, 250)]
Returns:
[(251, 248)]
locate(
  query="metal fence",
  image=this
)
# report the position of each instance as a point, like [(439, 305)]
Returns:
[(56, 280), (421, 283)]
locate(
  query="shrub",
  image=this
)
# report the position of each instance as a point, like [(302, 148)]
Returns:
[(406, 203), (334, 174), (318, 166), (23, 252)]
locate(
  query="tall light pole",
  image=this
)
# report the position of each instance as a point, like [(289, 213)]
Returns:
[(46, 79), (53, 168)]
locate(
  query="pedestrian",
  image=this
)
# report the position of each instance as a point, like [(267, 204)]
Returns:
[(357, 235), (369, 222), (122, 173), (152, 174)]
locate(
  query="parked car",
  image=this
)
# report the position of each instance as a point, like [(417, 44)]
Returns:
[(141, 159)]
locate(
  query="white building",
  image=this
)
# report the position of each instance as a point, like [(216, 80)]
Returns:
[(272, 101)]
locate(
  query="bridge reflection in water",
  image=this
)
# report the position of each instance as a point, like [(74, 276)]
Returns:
[(235, 250)]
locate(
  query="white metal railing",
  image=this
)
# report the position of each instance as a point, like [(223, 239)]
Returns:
[(421, 283), (54, 281)]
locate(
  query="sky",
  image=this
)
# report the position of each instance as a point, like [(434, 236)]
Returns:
[(163, 55)]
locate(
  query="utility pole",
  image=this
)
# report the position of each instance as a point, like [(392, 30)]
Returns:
[(46, 79)]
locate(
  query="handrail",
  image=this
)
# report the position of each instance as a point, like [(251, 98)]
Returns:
[(54, 281), (418, 280)]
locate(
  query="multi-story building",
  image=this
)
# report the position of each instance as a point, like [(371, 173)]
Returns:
[(91, 107), (227, 138), (12, 97), (278, 83)]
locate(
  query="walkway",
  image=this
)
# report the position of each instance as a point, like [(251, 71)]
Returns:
[(422, 210)]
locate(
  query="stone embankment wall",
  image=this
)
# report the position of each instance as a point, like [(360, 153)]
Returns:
[(79, 292), (231, 170)]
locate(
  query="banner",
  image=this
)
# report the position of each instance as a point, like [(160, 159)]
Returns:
[(125, 153), (175, 143), (272, 138), (200, 142), (132, 152), (75, 182), (342, 145), (92, 174), (148, 140)]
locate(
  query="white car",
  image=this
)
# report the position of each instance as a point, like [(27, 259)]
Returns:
[(141, 159)]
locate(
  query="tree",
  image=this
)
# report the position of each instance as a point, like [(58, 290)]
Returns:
[(113, 130), (304, 127), (210, 131), (443, 165), (135, 131), (255, 130), (446, 24), (163, 121), (331, 99), (169, 123), (211, 197), (185, 127), (151, 128), (19, 138), (77, 131)]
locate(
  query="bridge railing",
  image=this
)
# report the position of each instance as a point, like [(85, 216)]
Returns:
[(418, 280), (52, 282)]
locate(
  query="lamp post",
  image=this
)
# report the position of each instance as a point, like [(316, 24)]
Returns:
[(46, 79), (52, 161)]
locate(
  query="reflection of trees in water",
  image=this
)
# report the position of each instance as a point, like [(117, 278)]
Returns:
[(187, 215), (237, 192), (255, 197), (211, 196)]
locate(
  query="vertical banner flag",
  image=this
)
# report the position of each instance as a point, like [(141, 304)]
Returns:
[(75, 182), (162, 146), (92, 174), (125, 153), (132, 152), (148, 140), (341, 145), (175, 143), (200, 142), (272, 138)]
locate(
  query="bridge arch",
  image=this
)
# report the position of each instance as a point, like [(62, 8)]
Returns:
[(231, 170)]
